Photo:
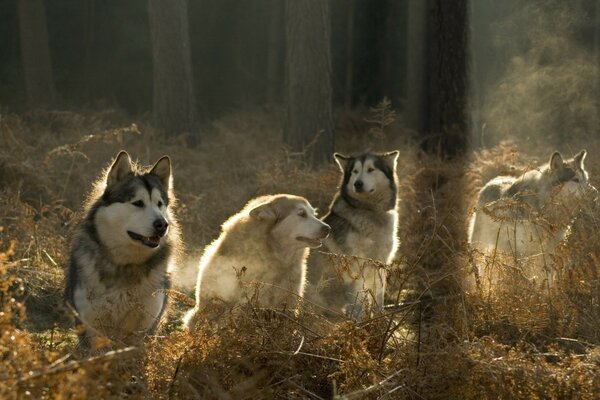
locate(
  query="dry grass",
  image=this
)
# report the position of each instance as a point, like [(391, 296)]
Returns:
[(447, 340)]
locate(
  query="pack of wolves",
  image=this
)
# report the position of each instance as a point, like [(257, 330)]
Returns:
[(128, 243)]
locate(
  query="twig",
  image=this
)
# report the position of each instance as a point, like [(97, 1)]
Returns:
[(172, 383), (362, 393), (75, 364)]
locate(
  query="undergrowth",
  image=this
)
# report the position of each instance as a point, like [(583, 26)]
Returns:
[(443, 336)]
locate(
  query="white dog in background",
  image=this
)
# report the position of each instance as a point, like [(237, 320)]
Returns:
[(528, 215)]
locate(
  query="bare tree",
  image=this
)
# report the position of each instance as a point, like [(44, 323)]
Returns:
[(173, 85), (274, 49), (448, 98), (437, 83), (349, 82), (35, 54), (309, 120)]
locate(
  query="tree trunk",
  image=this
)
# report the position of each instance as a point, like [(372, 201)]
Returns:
[(437, 81), (448, 66), (416, 60), (35, 53), (173, 86), (348, 89), (274, 56), (394, 42), (597, 52), (309, 120)]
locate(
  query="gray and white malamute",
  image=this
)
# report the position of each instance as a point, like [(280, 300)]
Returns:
[(260, 256), (528, 215), (363, 220), (122, 252)]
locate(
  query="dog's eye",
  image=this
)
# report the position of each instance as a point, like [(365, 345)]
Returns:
[(576, 180), (371, 170), (160, 203), (355, 171), (302, 214), (138, 203)]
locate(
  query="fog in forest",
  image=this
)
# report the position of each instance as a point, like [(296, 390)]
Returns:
[(462, 111)]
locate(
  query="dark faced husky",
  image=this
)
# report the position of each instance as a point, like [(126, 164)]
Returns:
[(260, 255), (363, 220), (527, 216), (122, 250)]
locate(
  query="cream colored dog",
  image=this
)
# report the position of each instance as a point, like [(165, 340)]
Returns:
[(260, 256)]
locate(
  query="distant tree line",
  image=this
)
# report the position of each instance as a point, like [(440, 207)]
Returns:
[(101, 52), (190, 61)]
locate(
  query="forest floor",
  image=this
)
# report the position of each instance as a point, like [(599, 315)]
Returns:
[(451, 338)]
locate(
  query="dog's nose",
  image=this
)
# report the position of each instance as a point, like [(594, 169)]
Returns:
[(325, 229), (358, 185), (160, 226)]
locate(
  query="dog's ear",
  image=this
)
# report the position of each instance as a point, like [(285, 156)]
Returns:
[(162, 169), (341, 160), (580, 158), (391, 158), (556, 161), (264, 212), (119, 169)]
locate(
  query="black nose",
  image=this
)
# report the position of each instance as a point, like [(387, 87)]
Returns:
[(160, 226), (358, 185)]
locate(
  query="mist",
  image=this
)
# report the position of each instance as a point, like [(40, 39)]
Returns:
[(535, 71), (255, 97)]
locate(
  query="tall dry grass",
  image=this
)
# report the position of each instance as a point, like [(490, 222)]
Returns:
[(444, 338)]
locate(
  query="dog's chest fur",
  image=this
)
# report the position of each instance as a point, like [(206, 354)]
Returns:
[(116, 299), (363, 233)]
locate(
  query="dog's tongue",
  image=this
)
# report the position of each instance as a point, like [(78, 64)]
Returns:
[(152, 241)]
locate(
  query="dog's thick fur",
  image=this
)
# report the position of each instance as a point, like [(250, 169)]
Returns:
[(363, 218), (527, 216), (260, 256), (122, 252)]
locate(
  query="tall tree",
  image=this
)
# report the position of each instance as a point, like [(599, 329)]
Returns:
[(437, 84), (274, 49), (416, 57), (35, 53), (443, 110), (348, 85), (309, 121), (448, 97), (173, 89)]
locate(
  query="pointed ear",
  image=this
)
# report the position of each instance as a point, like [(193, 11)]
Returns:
[(119, 169), (264, 212), (341, 160), (580, 158), (556, 161), (162, 169), (391, 158)]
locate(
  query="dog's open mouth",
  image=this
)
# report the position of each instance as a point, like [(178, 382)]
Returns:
[(310, 242), (150, 241)]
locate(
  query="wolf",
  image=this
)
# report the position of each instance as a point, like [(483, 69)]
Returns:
[(122, 252), (260, 256), (527, 216), (364, 221)]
